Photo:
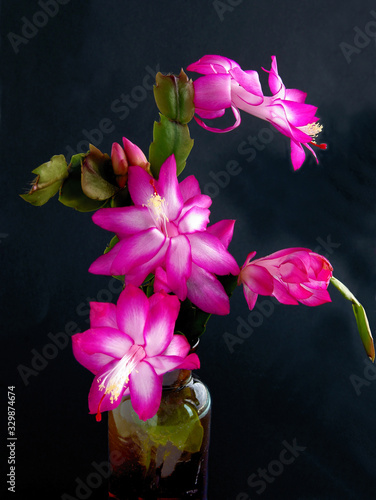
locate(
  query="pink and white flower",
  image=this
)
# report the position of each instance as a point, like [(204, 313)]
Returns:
[(166, 233), (226, 85), (291, 276), (129, 347)]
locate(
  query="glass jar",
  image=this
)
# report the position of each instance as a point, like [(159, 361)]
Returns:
[(165, 457)]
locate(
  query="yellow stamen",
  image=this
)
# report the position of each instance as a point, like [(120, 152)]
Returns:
[(313, 129)]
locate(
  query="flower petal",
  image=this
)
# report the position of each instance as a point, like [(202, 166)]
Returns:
[(189, 187), (160, 324), (168, 188), (195, 219), (137, 275), (179, 346), (178, 265), (297, 154), (105, 340), (136, 250), (140, 185), (210, 64), (223, 230), (103, 264), (124, 221), (213, 92), (219, 130), (209, 253), (102, 314), (206, 292), (132, 312), (257, 278), (250, 296), (146, 390), (93, 362)]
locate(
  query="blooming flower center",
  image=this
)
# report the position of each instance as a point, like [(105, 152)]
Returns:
[(157, 208), (113, 381)]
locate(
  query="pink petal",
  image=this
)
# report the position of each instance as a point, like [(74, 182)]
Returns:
[(189, 187), (297, 154), (93, 362), (258, 279), (105, 340), (213, 92), (200, 201), (250, 296), (318, 297), (102, 314), (218, 130), (196, 219), (206, 292), (275, 82), (168, 188), (210, 114), (191, 362), (140, 185), (137, 275), (295, 95), (210, 64), (179, 346), (137, 250), (249, 80), (163, 364), (178, 265), (209, 253), (103, 264), (223, 230), (124, 221), (299, 114), (160, 281), (146, 390), (281, 293), (132, 312), (160, 324)]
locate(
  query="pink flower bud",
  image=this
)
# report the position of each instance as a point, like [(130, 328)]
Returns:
[(292, 275)]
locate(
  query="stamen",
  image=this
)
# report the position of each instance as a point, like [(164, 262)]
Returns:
[(313, 129), (114, 380), (157, 208)]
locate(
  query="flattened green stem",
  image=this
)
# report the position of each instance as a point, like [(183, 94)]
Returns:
[(360, 316)]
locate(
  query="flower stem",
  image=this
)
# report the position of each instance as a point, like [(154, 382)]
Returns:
[(360, 316)]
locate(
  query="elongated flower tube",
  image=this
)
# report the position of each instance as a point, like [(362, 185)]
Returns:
[(291, 276), (166, 233), (122, 157), (129, 347), (226, 85)]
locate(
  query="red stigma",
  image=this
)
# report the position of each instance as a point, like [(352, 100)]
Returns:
[(152, 183), (321, 146), (98, 416)]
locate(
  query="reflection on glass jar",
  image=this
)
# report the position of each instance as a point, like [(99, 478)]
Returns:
[(165, 457)]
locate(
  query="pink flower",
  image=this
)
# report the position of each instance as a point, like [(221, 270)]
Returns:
[(226, 85), (123, 157), (292, 275), (166, 233), (129, 347)]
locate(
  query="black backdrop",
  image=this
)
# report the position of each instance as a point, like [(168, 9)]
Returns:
[(299, 378)]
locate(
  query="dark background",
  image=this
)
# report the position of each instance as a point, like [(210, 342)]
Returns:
[(293, 378)]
